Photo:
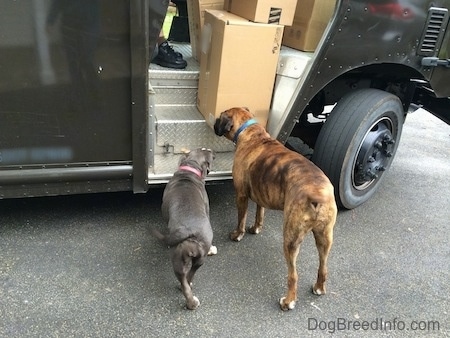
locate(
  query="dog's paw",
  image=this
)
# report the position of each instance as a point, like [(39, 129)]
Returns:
[(255, 230), (236, 235), (193, 303), (286, 307), (319, 291), (212, 250)]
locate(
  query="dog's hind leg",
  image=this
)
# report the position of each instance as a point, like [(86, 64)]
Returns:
[(184, 269), (192, 302), (196, 264), (324, 241), (293, 237)]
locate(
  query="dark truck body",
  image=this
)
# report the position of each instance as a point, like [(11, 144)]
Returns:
[(79, 104)]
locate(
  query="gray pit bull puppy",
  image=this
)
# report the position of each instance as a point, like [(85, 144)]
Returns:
[(185, 207)]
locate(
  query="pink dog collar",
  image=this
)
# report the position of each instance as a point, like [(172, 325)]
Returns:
[(192, 170)]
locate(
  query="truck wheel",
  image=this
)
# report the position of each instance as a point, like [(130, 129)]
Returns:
[(358, 142)]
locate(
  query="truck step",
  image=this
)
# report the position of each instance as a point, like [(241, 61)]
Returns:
[(178, 125), (181, 128), (175, 86)]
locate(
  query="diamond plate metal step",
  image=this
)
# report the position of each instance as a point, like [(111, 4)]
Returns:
[(181, 128), (175, 86), (178, 125)]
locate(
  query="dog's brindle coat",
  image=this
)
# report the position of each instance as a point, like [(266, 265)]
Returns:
[(277, 178), (185, 207)]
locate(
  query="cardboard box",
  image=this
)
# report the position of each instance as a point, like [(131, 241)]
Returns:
[(310, 20), (238, 65), (279, 12), (196, 13)]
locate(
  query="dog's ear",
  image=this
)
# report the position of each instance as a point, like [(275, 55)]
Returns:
[(206, 164), (206, 167), (182, 158), (223, 124)]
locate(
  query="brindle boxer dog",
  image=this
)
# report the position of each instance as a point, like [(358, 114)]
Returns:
[(185, 207), (277, 178)]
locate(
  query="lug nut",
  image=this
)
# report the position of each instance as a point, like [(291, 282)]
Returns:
[(388, 140), (371, 174)]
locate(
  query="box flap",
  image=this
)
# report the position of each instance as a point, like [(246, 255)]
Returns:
[(233, 19)]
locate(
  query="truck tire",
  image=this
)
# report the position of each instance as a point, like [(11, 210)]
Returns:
[(357, 143)]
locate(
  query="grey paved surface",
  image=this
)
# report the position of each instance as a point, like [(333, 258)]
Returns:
[(86, 266)]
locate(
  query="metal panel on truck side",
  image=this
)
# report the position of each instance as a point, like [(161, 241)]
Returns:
[(368, 43), (73, 96)]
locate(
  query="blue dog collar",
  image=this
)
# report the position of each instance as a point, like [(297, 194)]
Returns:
[(242, 128)]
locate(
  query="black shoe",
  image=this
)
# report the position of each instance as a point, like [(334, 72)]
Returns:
[(167, 57)]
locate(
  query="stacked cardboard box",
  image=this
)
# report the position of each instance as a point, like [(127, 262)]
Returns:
[(310, 20), (196, 13), (239, 51), (265, 11), (238, 65)]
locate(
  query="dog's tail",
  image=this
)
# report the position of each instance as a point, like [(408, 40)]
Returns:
[(322, 201)]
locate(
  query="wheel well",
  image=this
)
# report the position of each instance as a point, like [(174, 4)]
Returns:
[(392, 78)]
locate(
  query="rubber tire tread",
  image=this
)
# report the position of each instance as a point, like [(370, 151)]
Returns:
[(338, 132)]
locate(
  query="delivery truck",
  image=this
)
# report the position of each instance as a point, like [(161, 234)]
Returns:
[(83, 109)]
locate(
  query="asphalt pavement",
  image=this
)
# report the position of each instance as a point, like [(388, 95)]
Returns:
[(87, 266)]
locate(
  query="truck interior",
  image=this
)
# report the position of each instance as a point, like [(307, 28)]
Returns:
[(173, 101)]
